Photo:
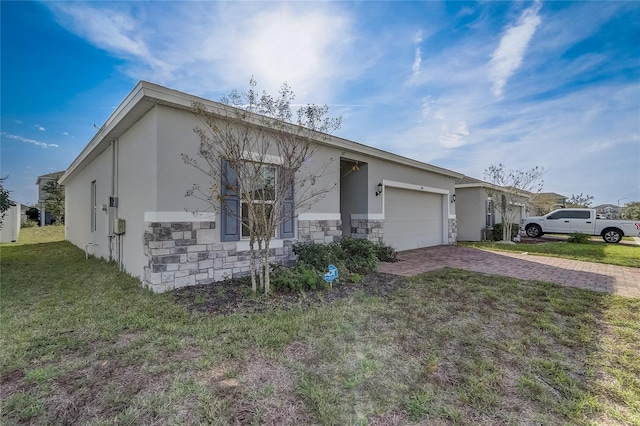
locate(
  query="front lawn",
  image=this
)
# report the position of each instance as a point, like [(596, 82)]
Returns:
[(82, 343), (614, 254)]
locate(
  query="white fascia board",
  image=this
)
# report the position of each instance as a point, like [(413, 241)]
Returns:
[(472, 185), (367, 216), (319, 216), (179, 216)]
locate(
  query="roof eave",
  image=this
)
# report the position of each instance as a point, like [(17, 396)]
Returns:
[(146, 95)]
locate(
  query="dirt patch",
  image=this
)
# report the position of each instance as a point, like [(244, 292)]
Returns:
[(9, 383), (234, 296), (394, 417), (100, 390), (271, 385)]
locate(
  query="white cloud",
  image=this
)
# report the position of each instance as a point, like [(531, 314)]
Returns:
[(417, 61), (208, 48), (65, 133), (454, 137), (39, 127), (507, 58), (31, 141), (111, 29)]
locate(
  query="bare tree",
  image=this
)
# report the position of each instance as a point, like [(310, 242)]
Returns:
[(54, 201), (516, 188), (580, 201), (257, 158)]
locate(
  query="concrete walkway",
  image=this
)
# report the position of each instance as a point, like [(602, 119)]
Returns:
[(621, 280)]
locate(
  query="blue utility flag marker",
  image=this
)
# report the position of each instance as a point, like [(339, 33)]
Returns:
[(332, 274)]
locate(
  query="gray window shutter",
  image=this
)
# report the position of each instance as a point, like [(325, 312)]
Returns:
[(230, 203), (287, 225)]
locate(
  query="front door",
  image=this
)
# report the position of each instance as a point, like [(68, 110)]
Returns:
[(558, 223)]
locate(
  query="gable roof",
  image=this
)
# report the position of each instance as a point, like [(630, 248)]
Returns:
[(469, 182), (146, 96), (552, 195), (604, 206), (49, 176)]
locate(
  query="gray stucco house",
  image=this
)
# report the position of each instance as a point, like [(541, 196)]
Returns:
[(125, 197), (476, 209)]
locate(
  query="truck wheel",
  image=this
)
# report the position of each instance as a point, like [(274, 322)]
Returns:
[(612, 235), (534, 231)]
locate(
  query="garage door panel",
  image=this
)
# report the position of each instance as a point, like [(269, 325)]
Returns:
[(413, 219)]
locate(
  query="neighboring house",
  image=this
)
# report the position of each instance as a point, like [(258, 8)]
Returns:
[(10, 228), (476, 210), (609, 211), (132, 170), (46, 218), (546, 202)]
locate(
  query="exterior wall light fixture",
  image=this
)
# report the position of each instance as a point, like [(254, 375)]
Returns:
[(379, 191), (453, 198)]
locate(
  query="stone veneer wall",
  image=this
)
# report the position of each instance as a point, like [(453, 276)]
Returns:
[(368, 229), (453, 231), (181, 254), (320, 231)]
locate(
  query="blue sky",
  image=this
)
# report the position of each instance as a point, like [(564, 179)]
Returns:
[(460, 85)]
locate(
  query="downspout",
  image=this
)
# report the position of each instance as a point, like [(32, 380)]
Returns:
[(110, 215), (114, 191)]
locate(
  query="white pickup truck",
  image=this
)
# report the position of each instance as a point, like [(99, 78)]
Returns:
[(569, 221)]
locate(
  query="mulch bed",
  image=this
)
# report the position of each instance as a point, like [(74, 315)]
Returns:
[(235, 296)]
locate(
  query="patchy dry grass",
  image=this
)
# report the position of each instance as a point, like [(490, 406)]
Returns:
[(82, 344)]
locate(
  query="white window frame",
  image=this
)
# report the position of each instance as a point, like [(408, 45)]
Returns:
[(244, 228)]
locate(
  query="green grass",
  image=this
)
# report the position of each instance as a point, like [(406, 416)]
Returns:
[(614, 254), (38, 235), (82, 343)]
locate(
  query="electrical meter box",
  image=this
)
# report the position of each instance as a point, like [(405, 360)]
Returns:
[(119, 226)]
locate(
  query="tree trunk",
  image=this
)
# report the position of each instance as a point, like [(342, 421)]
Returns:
[(252, 264), (266, 268), (506, 231), (260, 264)]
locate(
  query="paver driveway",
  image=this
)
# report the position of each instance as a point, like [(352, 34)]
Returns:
[(621, 280)]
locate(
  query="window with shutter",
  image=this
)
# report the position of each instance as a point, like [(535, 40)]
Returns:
[(230, 203)]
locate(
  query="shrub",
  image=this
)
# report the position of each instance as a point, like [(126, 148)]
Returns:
[(28, 224), (318, 256), (359, 255), (386, 253), (33, 214), (497, 231), (579, 238), (356, 278), (353, 257), (297, 278)]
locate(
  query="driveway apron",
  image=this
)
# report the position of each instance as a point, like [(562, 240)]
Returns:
[(621, 280)]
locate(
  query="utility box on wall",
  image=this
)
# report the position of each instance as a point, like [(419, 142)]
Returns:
[(119, 226)]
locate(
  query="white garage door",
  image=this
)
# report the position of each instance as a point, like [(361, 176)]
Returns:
[(412, 219)]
